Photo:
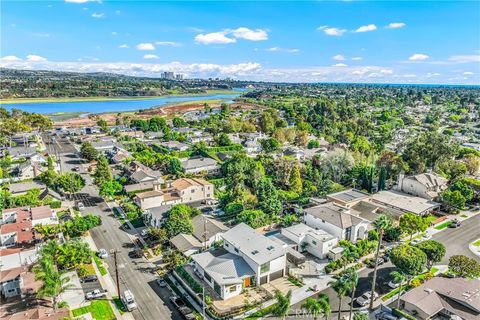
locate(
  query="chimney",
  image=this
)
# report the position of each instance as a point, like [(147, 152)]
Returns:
[(401, 176)]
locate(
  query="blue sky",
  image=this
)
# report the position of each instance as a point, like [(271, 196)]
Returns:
[(325, 41)]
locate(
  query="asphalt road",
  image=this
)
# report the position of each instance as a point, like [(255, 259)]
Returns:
[(456, 240), (136, 274)]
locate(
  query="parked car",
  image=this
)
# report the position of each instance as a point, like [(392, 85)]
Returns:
[(364, 299), (102, 253), (76, 169), (371, 263), (129, 300), (180, 305), (392, 284), (455, 224), (161, 282), (425, 237), (385, 316), (144, 232), (91, 278), (95, 294), (80, 206)]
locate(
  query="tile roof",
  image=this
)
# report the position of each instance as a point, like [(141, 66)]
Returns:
[(42, 212)]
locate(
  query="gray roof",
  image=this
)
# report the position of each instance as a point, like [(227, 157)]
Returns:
[(203, 224), (335, 215), (348, 195), (225, 269), (141, 186), (185, 242), (26, 152), (104, 144), (257, 247), (159, 212), (25, 186), (301, 229), (404, 202), (194, 163), (459, 296), (141, 174)]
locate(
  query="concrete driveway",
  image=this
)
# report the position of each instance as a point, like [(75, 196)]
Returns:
[(74, 296)]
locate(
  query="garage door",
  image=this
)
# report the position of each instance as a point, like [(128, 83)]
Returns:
[(276, 275)]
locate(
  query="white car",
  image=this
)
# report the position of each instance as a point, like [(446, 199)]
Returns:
[(392, 284), (103, 254), (421, 239), (95, 294), (80, 206), (364, 299)]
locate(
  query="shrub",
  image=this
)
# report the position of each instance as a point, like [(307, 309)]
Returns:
[(416, 283), (194, 285), (399, 313), (56, 204)]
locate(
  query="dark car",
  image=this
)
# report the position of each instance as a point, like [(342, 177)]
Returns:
[(91, 278), (455, 224)]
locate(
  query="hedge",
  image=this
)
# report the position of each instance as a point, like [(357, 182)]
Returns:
[(400, 313), (189, 279)]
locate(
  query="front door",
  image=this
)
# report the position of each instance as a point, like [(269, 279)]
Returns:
[(246, 282)]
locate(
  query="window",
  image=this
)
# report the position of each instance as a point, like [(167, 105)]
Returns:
[(265, 267), (232, 288), (314, 242), (236, 250), (207, 277)]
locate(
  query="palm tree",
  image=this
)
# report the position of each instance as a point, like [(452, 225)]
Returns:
[(317, 306), (54, 282), (398, 277), (382, 223), (351, 277), (341, 287), (349, 255), (283, 304)]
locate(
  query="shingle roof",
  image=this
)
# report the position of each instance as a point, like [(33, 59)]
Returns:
[(335, 215), (185, 242), (225, 269), (204, 225), (459, 296), (194, 163), (257, 247)]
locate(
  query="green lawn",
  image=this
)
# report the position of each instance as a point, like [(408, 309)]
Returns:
[(99, 309), (477, 243), (100, 266), (119, 305), (443, 225), (430, 219), (90, 269)]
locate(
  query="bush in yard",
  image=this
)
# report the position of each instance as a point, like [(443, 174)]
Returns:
[(55, 204), (416, 283)]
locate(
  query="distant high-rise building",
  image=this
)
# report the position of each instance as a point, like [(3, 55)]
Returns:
[(168, 75), (179, 76)]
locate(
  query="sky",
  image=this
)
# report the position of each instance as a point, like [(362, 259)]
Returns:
[(434, 42)]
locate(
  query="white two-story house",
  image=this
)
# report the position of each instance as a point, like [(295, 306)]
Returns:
[(251, 260)]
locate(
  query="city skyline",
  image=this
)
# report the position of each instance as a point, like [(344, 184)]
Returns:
[(346, 41)]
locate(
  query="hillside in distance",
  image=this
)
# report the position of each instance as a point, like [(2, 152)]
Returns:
[(56, 84)]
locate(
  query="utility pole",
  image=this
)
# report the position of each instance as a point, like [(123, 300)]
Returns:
[(116, 270)]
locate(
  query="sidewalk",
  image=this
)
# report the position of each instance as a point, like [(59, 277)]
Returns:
[(107, 283)]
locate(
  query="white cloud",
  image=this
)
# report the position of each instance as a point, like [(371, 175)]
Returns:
[(249, 34), (151, 56), (10, 58), (214, 38), (465, 58), (339, 65), (278, 49), (168, 44), (395, 25), (367, 28), (339, 57), (98, 15), (35, 58), (231, 35), (123, 45), (145, 46), (433, 74), (114, 33), (330, 31), (418, 57), (357, 58), (468, 73)]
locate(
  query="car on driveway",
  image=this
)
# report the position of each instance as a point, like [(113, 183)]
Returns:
[(385, 316), (161, 282), (102, 253), (425, 237), (392, 284), (80, 206), (455, 224), (371, 263), (95, 294), (91, 278), (364, 299)]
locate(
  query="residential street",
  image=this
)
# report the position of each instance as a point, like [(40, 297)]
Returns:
[(456, 240), (136, 274)]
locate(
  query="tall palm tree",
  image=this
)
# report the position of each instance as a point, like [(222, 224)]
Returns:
[(381, 223), (398, 277), (283, 304), (54, 282), (317, 306), (341, 287), (351, 277)]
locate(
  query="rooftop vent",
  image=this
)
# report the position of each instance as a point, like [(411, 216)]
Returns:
[(270, 248), (254, 252)]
